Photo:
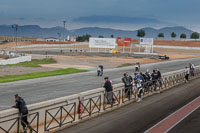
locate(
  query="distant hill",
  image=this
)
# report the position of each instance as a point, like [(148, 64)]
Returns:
[(116, 19), (31, 31), (106, 32), (150, 32), (36, 31)]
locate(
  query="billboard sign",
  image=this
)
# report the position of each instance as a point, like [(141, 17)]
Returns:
[(146, 41), (102, 42)]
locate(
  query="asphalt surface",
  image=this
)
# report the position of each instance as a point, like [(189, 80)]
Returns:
[(41, 89), (189, 125), (139, 117)]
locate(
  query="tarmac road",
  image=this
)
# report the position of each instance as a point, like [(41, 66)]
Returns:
[(139, 117), (189, 125), (37, 90)]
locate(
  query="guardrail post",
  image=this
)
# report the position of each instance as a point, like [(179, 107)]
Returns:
[(45, 120), (90, 100), (61, 116), (38, 121), (102, 101), (121, 95), (79, 107), (18, 119)]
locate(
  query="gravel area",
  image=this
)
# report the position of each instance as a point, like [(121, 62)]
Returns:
[(86, 62), (17, 70)]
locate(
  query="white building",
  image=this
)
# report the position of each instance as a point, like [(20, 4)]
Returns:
[(52, 39), (73, 38)]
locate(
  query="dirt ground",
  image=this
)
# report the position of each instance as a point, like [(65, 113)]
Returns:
[(178, 51), (184, 43), (79, 62), (18, 70), (178, 56), (85, 62)]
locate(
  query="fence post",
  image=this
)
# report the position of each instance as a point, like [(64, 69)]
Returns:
[(38, 121), (90, 100), (61, 116), (79, 108), (102, 101), (18, 119)]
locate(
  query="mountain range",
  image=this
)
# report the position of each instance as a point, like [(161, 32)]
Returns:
[(37, 31), (116, 19)]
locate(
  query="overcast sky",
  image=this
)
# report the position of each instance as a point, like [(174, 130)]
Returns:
[(50, 12)]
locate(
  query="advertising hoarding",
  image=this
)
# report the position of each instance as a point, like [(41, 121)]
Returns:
[(146, 41), (102, 42)]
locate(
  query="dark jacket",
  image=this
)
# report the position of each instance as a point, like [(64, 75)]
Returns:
[(108, 86), (127, 81), (21, 105), (147, 76), (101, 66), (154, 76), (159, 75)]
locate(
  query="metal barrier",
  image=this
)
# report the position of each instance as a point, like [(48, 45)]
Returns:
[(64, 114), (89, 106), (115, 99), (16, 124), (60, 113), (128, 94)]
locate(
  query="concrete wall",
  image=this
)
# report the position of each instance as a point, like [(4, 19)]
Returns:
[(50, 45), (170, 47), (15, 60), (67, 110)]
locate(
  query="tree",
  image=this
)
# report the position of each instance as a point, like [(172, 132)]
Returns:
[(161, 35), (112, 36), (101, 36), (83, 38), (141, 33), (173, 35), (183, 36), (194, 35)]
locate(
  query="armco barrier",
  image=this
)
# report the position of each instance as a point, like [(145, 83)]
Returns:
[(54, 114)]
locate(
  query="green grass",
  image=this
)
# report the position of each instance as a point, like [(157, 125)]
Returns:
[(125, 65), (11, 78), (34, 63)]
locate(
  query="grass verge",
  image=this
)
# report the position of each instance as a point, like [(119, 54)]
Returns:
[(11, 78), (34, 63), (125, 65)]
